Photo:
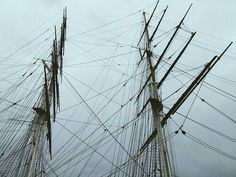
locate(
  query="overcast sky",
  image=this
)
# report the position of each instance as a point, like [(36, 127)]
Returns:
[(214, 20)]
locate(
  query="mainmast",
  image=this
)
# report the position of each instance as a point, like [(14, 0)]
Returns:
[(157, 140), (159, 146)]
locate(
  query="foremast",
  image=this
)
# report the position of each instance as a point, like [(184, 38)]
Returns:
[(49, 99)]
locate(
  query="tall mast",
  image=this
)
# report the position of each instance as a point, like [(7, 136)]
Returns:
[(156, 106), (157, 138), (49, 98)]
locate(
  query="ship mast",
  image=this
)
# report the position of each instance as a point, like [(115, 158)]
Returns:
[(156, 106), (49, 98), (157, 139)]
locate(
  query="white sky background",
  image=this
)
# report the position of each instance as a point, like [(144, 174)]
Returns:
[(213, 19)]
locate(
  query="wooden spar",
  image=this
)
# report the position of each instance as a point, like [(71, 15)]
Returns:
[(49, 98), (156, 106), (49, 134), (185, 95), (223, 53), (176, 60), (153, 34), (141, 56), (148, 141), (55, 82), (151, 38), (64, 28), (172, 38), (164, 51), (54, 74), (63, 38), (144, 106), (149, 20), (57, 92), (189, 90), (147, 23), (193, 85), (149, 52)]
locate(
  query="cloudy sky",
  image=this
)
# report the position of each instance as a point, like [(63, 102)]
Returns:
[(214, 21)]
